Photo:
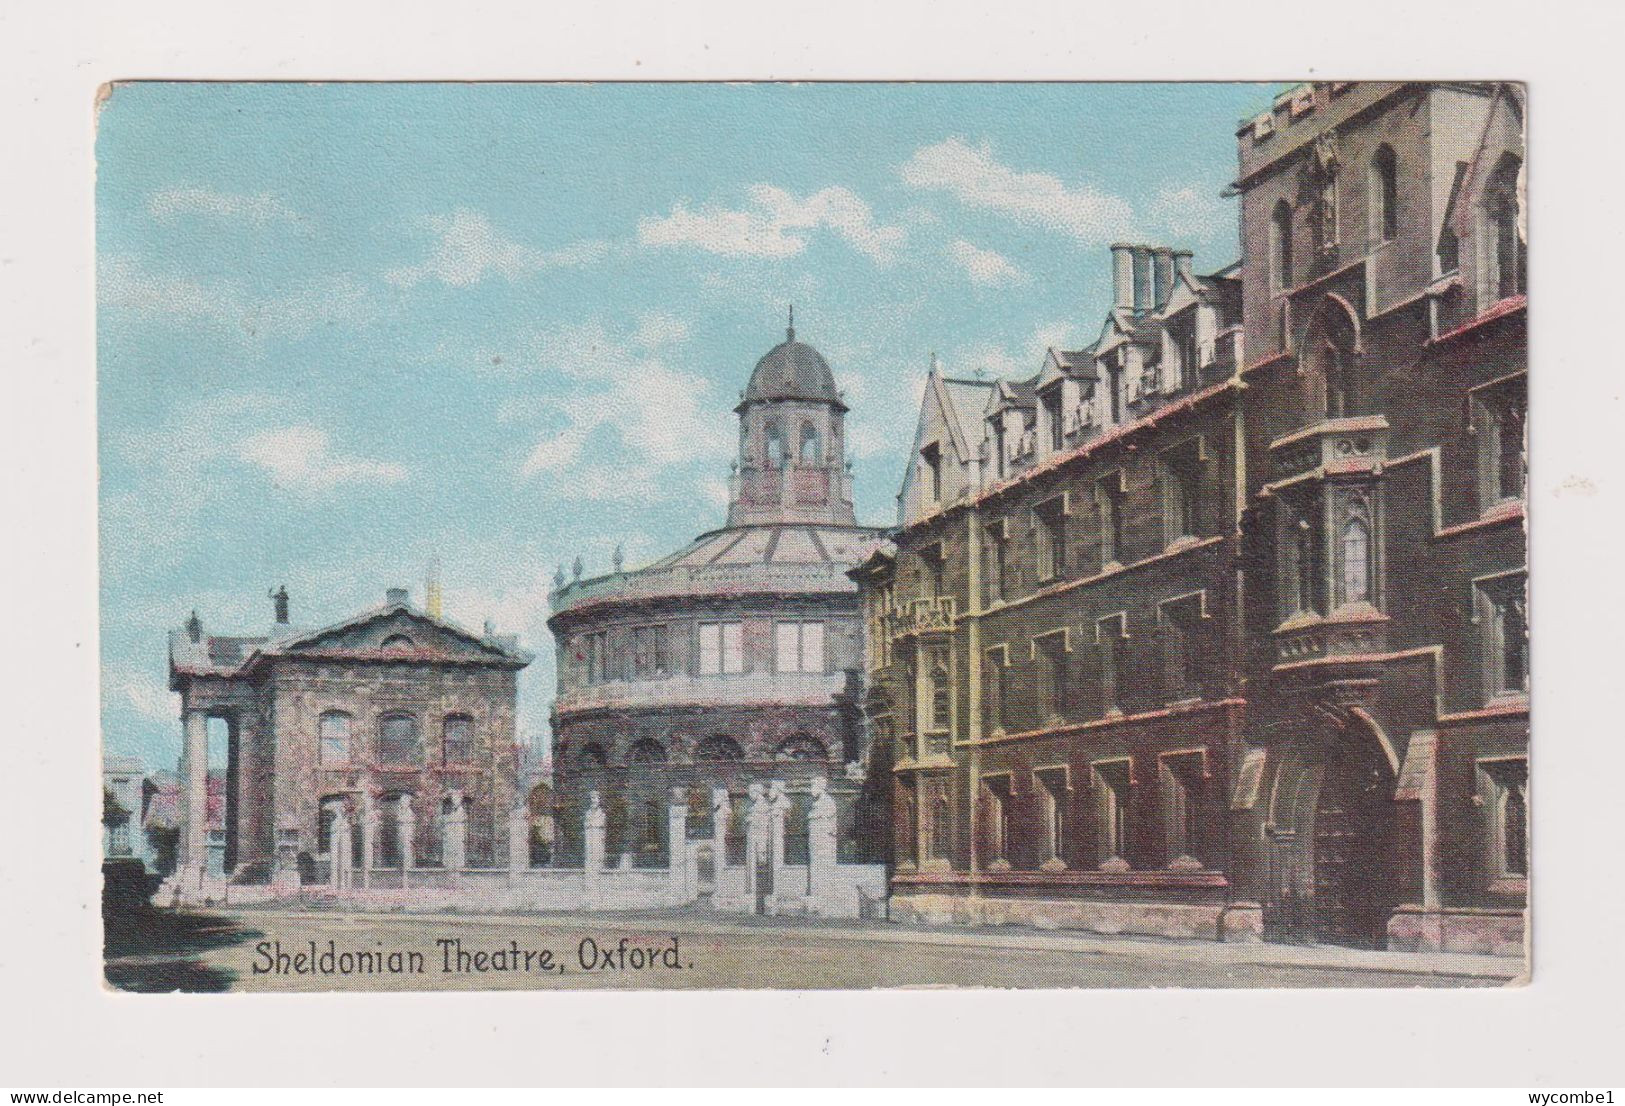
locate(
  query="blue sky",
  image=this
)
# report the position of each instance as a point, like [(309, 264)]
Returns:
[(345, 329)]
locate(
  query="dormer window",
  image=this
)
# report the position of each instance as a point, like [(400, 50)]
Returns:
[(1504, 259), (1055, 418), (1384, 197), (931, 463)]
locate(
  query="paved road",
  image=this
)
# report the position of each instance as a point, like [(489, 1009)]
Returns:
[(271, 950)]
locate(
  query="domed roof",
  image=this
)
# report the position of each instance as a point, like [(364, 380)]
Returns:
[(792, 370)]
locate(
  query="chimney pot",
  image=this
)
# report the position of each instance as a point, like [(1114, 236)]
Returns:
[(1123, 277), (1182, 263), (395, 597), (1144, 288), (1163, 266)]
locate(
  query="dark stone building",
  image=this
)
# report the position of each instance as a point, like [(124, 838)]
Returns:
[(1179, 639), (734, 660), (396, 722)]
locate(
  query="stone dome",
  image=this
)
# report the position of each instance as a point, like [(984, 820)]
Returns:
[(791, 370)]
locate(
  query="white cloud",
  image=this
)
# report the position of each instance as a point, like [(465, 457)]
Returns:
[(301, 459), (768, 227), (261, 208), (622, 416), (125, 284), (985, 267), (143, 693), (468, 249), (974, 177), (1189, 211)]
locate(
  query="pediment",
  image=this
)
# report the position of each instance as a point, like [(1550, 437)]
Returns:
[(396, 632)]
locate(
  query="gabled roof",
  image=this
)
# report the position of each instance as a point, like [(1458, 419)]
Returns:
[(213, 654)]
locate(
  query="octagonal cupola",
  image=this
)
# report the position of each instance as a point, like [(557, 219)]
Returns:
[(792, 447)]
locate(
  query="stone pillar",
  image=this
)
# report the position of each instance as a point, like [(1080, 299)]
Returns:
[(518, 840), (407, 828), (677, 847), (286, 877), (454, 834), (779, 804), (592, 837), (721, 815), (821, 854), (194, 797), (758, 838), (369, 837), (340, 849)]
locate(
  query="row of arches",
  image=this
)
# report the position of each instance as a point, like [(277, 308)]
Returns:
[(718, 748)]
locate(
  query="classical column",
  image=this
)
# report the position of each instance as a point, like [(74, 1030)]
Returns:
[(677, 847), (779, 806), (340, 850), (195, 796)]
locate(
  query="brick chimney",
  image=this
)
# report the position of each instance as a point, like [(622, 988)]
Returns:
[(1123, 277), (1162, 260)]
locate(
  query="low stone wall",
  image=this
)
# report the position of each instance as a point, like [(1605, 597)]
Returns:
[(1491, 932), (1199, 921)]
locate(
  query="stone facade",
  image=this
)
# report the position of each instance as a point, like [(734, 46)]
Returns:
[(378, 733), (1217, 625), (734, 660)]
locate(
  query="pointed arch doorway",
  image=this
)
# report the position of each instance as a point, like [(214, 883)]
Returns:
[(1353, 841)]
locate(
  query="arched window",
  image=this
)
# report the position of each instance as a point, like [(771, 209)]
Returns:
[(398, 740), (1384, 194), (457, 739), (1504, 259), (592, 756), (719, 748), (1356, 560), (801, 747), (811, 447), (1331, 382), (1281, 246), (775, 446), (647, 751), (398, 643), (334, 729), (1514, 830), (941, 696), (941, 829)]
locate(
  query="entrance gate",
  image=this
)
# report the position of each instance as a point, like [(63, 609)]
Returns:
[(1354, 891)]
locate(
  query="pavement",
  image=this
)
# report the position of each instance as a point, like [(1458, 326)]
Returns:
[(750, 952)]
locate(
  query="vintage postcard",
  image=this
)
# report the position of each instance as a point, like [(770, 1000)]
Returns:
[(781, 535)]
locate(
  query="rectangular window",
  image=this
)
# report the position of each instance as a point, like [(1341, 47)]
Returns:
[(1111, 636), (1183, 647), (1049, 519), (1181, 492), (1505, 789), (1053, 794), (1303, 554), (1109, 500), (1113, 786), (932, 567), (649, 658), (1050, 653), (798, 647), (997, 554), (940, 690), (398, 741), (998, 796), (1503, 618), (595, 655), (721, 648), (995, 689), (458, 740), (1501, 444), (1182, 784), (335, 737)]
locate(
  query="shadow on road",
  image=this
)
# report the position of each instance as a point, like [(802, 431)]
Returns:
[(151, 950)]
